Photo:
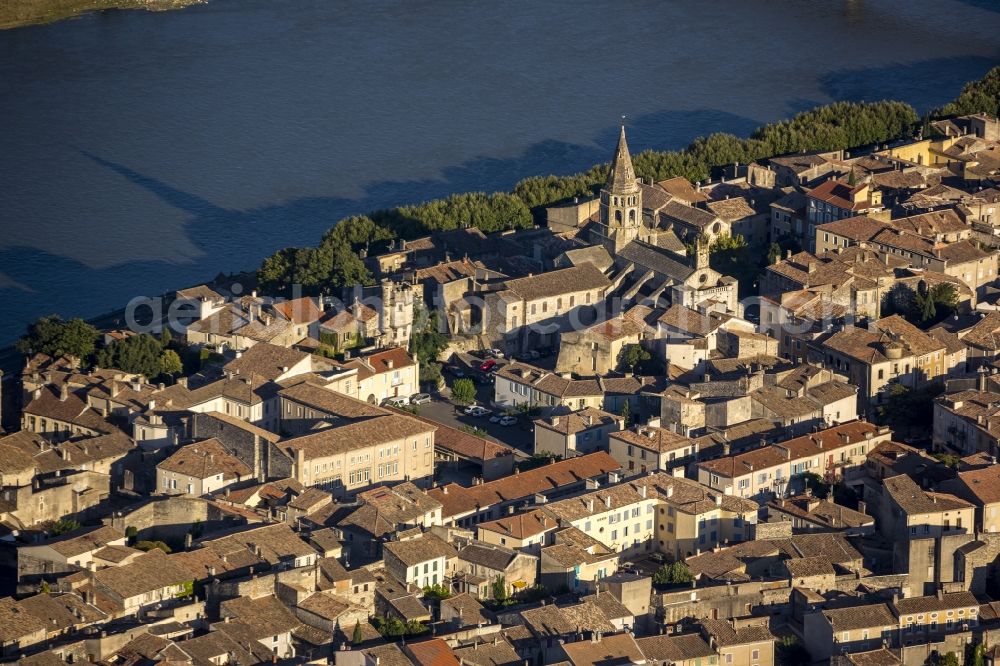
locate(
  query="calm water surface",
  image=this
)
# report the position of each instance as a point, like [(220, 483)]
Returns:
[(144, 151)]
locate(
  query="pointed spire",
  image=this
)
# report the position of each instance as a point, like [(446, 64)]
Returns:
[(621, 177)]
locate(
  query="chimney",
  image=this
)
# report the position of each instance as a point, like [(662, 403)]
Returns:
[(63, 393), (607, 501), (670, 490)]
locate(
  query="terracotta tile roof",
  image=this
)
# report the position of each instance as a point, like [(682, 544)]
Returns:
[(521, 525), (916, 340), (858, 228), (494, 653), (205, 459), (147, 573), (689, 320), (675, 648), (91, 540), (726, 635), (792, 449), (652, 438), (579, 421), (359, 434), (421, 549), (681, 187), (961, 252), (556, 283), (731, 210), (525, 484), (275, 542), (330, 402), (299, 311), (432, 652), (804, 567), (916, 501), (15, 624), (619, 648), (556, 621), (873, 616), (946, 601), (944, 221), (839, 194), (983, 483), (265, 360), (450, 271), (677, 212)]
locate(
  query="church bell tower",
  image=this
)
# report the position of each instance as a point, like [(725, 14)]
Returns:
[(621, 201)]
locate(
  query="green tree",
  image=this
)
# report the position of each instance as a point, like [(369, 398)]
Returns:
[(773, 254), (975, 654), (358, 637), (672, 573), (138, 354), (55, 337), (170, 363), (437, 592), (46, 588), (64, 526), (499, 590), (904, 408), (936, 659), (427, 342), (790, 652), (166, 337), (150, 545), (634, 355), (815, 483), (725, 243), (463, 391), (626, 414)]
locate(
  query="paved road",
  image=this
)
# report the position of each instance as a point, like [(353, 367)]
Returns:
[(443, 411)]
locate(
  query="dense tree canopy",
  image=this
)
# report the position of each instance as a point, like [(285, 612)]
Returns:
[(55, 337), (138, 354)]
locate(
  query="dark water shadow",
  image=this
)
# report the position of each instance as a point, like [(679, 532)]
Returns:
[(896, 81)]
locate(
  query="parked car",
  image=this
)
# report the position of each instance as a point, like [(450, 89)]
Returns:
[(419, 398), (398, 401), (495, 418), (657, 557), (477, 411), (495, 353), (482, 378), (508, 420), (487, 365), (454, 371)]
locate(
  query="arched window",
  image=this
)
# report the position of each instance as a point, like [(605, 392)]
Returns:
[(631, 215), (618, 216)]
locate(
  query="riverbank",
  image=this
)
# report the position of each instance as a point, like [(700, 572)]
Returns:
[(20, 13)]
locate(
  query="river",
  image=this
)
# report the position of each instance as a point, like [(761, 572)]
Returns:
[(145, 151)]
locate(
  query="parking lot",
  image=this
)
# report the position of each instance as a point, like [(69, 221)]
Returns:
[(440, 409)]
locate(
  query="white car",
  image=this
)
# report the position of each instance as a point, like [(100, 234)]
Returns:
[(419, 398), (508, 420), (495, 353), (398, 401), (495, 418), (477, 411)]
